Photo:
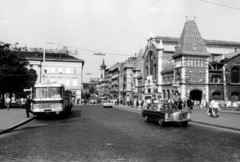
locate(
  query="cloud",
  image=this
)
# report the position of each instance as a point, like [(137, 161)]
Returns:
[(155, 10)]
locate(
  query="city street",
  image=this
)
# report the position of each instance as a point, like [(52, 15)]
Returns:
[(93, 133)]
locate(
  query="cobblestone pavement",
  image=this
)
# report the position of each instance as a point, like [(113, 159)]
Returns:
[(93, 133)]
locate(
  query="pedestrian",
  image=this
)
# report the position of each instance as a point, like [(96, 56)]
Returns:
[(8, 102), (28, 106), (189, 104), (179, 104)]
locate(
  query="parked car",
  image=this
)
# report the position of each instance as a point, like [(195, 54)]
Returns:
[(107, 103), (165, 113), (93, 101)]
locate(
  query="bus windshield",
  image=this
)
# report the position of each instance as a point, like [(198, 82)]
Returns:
[(48, 92)]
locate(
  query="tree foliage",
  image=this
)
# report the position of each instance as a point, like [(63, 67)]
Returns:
[(14, 74)]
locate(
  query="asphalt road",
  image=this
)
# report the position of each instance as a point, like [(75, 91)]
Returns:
[(94, 133)]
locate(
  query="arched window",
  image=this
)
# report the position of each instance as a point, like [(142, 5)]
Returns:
[(155, 71), (235, 75), (216, 95), (151, 63)]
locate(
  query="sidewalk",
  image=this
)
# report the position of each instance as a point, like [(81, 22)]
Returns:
[(12, 119), (226, 119)]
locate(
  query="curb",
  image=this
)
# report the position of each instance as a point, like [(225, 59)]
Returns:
[(192, 121), (17, 125), (219, 126)]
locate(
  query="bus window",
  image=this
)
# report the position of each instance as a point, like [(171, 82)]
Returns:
[(48, 92)]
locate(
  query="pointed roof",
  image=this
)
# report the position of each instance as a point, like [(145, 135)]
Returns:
[(103, 66), (138, 65), (191, 42)]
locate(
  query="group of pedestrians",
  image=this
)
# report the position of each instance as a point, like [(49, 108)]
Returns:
[(7, 101)]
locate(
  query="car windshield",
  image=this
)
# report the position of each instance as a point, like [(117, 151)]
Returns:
[(162, 106)]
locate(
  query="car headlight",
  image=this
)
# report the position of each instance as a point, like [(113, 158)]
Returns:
[(166, 116), (59, 106)]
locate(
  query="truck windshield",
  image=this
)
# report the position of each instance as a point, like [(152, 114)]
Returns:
[(48, 92)]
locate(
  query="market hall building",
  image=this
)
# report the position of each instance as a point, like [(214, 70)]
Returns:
[(191, 66)]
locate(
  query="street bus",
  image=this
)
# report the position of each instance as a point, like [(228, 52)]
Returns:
[(51, 98)]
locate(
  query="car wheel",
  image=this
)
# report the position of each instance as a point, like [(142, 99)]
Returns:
[(184, 124), (161, 122), (146, 118)]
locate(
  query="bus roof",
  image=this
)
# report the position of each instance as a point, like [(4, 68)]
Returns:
[(52, 84)]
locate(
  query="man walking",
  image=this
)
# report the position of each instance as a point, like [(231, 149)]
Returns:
[(28, 106), (8, 102), (189, 104)]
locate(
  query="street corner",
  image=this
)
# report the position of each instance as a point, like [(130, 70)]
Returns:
[(9, 127)]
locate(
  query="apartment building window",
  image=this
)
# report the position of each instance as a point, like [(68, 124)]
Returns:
[(60, 70), (196, 63), (193, 62), (190, 62), (75, 70), (75, 82), (60, 80), (68, 70), (52, 69), (190, 75), (67, 82)]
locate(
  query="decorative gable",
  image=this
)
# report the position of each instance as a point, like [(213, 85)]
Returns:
[(191, 42)]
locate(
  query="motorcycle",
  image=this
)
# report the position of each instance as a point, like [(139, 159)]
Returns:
[(212, 112)]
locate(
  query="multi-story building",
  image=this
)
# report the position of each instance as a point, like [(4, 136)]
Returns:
[(127, 73), (137, 76), (57, 67), (114, 80)]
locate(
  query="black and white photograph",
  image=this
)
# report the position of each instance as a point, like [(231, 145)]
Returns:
[(119, 81)]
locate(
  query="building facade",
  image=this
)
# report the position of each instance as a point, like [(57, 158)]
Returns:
[(190, 66), (57, 67)]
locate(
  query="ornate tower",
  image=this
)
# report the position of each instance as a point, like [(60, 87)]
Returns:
[(102, 70), (191, 64)]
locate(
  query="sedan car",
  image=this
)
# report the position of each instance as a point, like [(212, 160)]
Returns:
[(165, 113), (93, 101), (107, 103)]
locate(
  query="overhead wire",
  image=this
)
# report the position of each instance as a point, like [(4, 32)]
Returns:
[(220, 4), (87, 50)]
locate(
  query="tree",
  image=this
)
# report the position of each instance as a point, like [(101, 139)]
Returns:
[(14, 74)]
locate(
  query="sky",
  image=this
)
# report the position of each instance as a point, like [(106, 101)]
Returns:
[(112, 26)]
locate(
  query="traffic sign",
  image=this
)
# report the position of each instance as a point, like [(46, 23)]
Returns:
[(25, 90)]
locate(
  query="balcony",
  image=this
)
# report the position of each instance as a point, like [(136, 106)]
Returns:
[(115, 76)]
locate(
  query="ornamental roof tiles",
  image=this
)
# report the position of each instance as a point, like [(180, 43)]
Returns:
[(191, 42)]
